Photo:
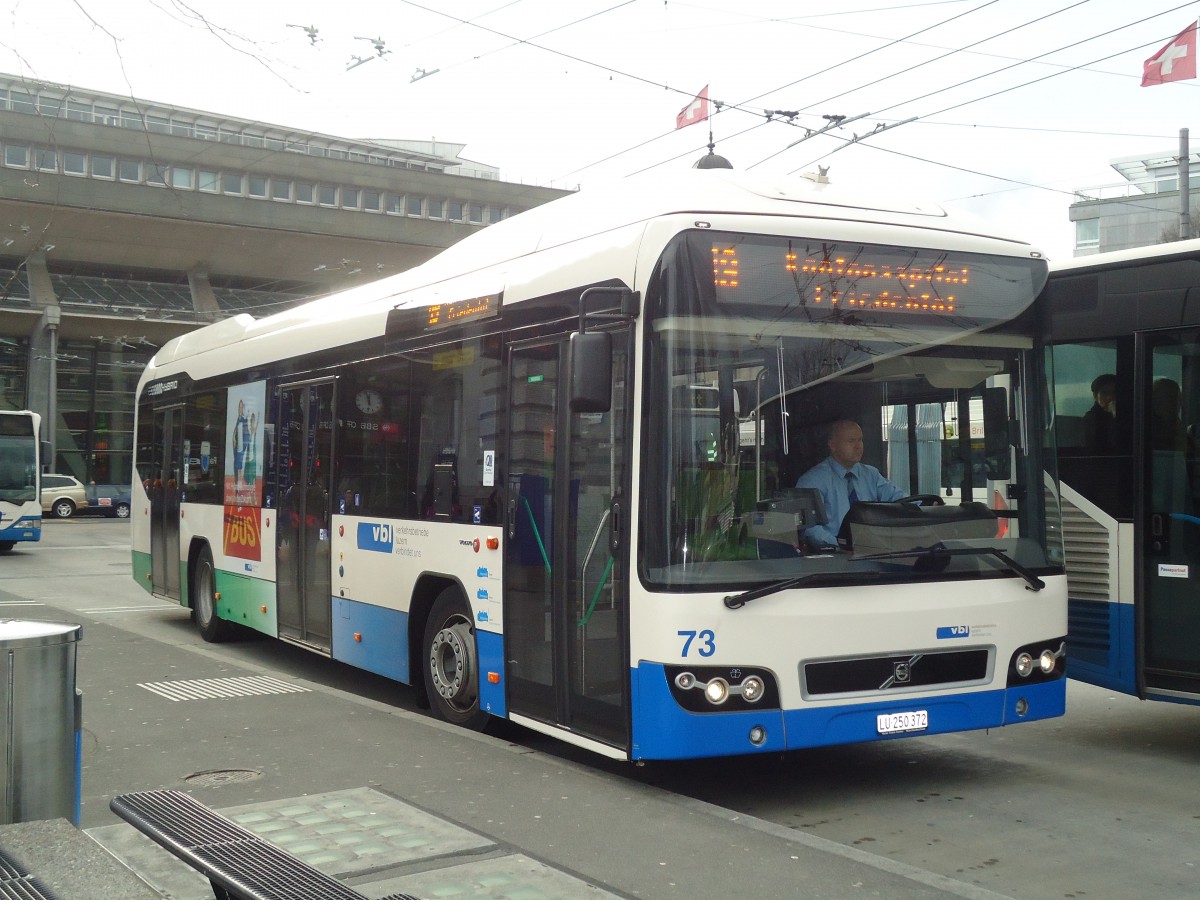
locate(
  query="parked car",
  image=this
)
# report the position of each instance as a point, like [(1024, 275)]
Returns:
[(63, 495), (112, 503)]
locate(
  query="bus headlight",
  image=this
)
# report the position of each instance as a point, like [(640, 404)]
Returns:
[(723, 689), (752, 689), (1038, 662), (717, 691), (1024, 664)]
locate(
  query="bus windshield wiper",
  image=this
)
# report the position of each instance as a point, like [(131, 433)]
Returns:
[(737, 601), (939, 551)]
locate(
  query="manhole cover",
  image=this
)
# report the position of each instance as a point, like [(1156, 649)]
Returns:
[(218, 777)]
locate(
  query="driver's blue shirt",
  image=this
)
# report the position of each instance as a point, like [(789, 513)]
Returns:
[(829, 477)]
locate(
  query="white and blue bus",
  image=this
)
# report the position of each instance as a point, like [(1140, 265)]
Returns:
[(550, 475), (20, 478), (1126, 323)]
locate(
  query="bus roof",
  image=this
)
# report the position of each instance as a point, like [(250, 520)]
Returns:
[(590, 236), (1115, 259)]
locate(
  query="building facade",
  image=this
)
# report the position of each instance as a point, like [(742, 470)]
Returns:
[(124, 223), (1141, 210)]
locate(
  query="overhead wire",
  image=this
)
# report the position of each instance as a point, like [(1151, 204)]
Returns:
[(740, 106)]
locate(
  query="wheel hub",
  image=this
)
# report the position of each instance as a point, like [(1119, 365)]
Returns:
[(450, 664)]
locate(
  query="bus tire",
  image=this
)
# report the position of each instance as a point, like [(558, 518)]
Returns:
[(6, 546), (203, 593), (451, 662)]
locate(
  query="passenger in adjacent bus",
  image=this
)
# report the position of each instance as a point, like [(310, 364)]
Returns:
[(843, 480), (1100, 422), (1167, 431)]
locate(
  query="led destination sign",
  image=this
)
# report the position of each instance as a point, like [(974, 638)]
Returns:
[(409, 321), (857, 277), (443, 315)]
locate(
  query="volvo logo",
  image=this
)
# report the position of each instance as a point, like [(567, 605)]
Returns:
[(902, 671)]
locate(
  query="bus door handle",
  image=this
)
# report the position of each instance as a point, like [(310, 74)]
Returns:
[(614, 526), (1158, 533), (513, 498)]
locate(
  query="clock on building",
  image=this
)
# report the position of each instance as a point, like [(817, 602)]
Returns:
[(369, 401)]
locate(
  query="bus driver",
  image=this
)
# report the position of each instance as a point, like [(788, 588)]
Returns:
[(843, 479)]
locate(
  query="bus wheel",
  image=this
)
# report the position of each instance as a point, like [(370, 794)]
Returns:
[(204, 600), (452, 670), (6, 546)]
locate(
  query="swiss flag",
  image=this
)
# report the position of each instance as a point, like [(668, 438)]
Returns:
[(697, 109), (1174, 62)]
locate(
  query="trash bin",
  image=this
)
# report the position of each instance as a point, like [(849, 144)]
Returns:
[(40, 709)]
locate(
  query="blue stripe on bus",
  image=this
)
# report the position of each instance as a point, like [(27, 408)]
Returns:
[(1100, 649), (23, 529), (383, 648), (663, 730), (491, 659)]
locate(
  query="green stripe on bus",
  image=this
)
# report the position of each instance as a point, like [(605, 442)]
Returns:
[(247, 601)]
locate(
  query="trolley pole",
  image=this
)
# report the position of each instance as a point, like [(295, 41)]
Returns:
[(1185, 187)]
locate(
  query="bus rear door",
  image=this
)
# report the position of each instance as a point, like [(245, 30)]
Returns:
[(163, 490)]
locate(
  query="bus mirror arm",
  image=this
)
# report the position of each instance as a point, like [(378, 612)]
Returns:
[(628, 306)]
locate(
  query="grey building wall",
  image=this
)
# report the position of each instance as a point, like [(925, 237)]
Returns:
[(98, 269), (1126, 222)]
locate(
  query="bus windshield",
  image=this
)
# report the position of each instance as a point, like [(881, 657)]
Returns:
[(18, 467), (777, 368)]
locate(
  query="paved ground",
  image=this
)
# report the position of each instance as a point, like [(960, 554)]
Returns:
[(383, 797)]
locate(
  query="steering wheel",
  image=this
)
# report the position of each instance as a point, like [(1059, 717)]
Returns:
[(924, 499)]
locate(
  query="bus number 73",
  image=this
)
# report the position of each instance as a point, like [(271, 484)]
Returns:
[(707, 646)]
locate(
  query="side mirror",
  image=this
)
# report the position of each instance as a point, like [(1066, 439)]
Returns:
[(997, 457), (589, 364)]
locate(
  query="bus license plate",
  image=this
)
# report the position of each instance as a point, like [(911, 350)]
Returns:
[(894, 723)]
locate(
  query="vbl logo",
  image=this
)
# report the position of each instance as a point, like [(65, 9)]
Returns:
[(954, 631), (375, 536)]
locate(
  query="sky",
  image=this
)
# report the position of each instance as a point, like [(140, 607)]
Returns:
[(996, 108)]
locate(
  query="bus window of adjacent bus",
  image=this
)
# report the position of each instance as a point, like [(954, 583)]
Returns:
[(1093, 424)]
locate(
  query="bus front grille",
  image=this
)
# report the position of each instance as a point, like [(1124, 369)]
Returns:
[(897, 673)]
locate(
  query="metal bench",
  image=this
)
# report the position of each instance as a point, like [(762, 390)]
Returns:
[(18, 884), (237, 863)]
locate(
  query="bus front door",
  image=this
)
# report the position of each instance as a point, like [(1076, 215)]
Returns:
[(1170, 616), (302, 557), (565, 610), (163, 490)]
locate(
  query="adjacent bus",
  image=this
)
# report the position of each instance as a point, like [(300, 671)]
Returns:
[(20, 474), (1127, 324), (550, 475)]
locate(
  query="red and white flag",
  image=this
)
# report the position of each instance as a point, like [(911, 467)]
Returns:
[(1174, 62), (697, 110)]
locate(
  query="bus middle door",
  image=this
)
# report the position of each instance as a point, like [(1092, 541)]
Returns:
[(302, 548)]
